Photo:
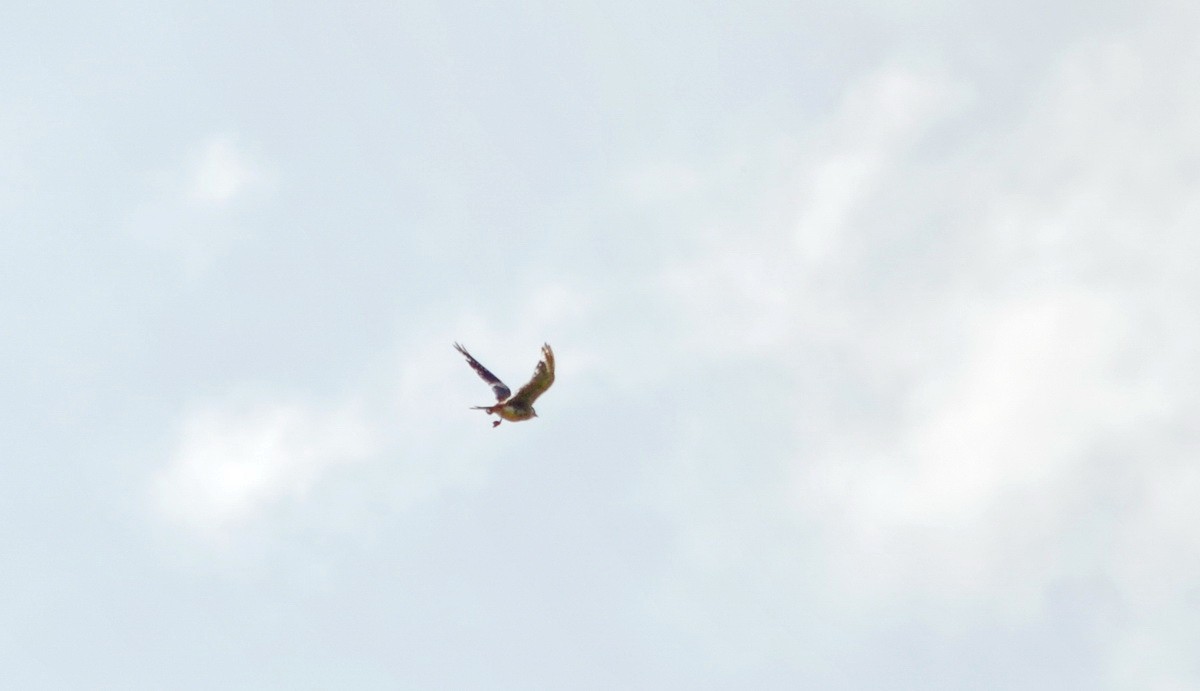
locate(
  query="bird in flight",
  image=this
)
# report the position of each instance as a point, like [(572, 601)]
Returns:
[(518, 407)]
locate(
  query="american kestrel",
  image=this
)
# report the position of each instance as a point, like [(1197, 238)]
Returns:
[(518, 407)]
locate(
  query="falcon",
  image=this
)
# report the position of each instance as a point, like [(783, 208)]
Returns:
[(510, 407)]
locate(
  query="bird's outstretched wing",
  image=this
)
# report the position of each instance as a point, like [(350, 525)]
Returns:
[(543, 377), (502, 392)]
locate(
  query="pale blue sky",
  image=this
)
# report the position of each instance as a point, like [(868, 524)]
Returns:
[(876, 328)]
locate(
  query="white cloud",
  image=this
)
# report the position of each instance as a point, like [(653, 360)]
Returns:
[(998, 342), (192, 207), (757, 293), (976, 475), (222, 171), (1035, 390), (879, 120), (833, 189), (236, 460)]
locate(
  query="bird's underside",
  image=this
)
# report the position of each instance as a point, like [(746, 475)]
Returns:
[(508, 406)]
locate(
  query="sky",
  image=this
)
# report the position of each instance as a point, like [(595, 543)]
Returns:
[(875, 325)]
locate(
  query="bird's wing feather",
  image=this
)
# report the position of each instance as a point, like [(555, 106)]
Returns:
[(543, 377), (498, 387)]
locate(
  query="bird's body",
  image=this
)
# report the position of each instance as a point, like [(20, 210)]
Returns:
[(514, 408), (508, 411)]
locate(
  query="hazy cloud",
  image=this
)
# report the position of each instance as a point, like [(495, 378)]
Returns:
[(235, 460), (191, 210), (982, 401), (876, 334), (221, 172)]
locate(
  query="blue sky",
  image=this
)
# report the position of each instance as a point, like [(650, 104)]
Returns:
[(875, 326)]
